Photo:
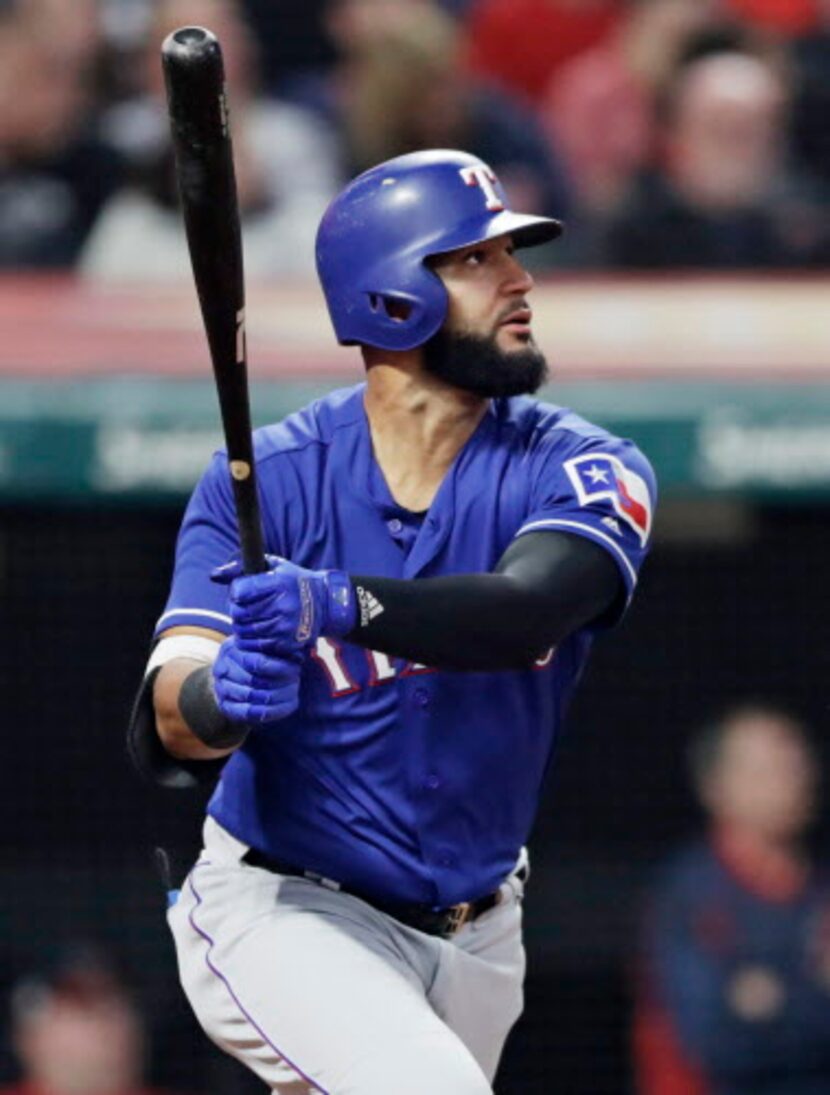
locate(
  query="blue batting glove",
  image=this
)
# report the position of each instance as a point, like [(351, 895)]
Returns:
[(285, 609), (254, 688)]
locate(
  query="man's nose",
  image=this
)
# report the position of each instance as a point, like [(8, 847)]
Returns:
[(518, 279)]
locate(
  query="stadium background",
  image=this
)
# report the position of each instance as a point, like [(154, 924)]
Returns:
[(106, 417)]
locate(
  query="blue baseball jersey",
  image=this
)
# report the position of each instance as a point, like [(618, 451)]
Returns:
[(393, 778)]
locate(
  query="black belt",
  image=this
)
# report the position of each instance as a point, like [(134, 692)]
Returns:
[(441, 922)]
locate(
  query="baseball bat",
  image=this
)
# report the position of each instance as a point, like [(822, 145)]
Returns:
[(194, 74)]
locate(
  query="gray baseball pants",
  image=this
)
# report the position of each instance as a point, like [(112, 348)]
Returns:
[(316, 991)]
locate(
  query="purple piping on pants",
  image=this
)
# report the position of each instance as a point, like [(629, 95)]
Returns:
[(235, 998)]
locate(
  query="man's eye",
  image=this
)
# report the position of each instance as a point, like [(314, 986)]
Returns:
[(475, 257)]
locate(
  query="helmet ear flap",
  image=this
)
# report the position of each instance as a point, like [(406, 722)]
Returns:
[(395, 308), (395, 313), (401, 319)]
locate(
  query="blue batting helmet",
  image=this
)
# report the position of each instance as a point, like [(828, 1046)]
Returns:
[(375, 236)]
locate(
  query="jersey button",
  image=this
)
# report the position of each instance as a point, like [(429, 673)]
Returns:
[(394, 525), (433, 781), (421, 697), (446, 860)]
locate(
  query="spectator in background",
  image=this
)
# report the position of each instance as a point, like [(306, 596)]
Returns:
[(780, 17), (519, 44), (76, 1030), (285, 167), (398, 88), (599, 108), (811, 106), (291, 37), (722, 197), (55, 173), (736, 994)]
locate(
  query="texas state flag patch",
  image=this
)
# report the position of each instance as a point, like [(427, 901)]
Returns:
[(601, 477)]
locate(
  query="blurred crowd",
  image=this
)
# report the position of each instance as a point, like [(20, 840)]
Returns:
[(77, 1029), (685, 134), (733, 994)]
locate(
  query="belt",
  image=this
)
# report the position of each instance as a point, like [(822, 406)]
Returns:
[(441, 922)]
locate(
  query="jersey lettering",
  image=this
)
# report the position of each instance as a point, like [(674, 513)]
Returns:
[(380, 668), (416, 669), (327, 654), (481, 175), (545, 660)]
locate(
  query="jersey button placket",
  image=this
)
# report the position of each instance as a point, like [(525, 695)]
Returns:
[(420, 697), (421, 702)]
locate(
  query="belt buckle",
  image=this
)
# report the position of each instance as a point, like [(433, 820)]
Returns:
[(457, 917)]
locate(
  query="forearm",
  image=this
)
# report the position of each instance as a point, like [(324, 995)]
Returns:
[(175, 734), (541, 592), (470, 621), (545, 586)]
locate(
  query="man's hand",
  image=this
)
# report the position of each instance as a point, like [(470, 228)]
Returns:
[(253, 687), (283, 611)]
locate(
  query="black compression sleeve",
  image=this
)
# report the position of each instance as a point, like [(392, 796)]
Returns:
[(546, 585)]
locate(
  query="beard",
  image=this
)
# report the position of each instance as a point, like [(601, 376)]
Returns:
[(477, 364)]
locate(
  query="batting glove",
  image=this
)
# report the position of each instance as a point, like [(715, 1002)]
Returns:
[(284, 610), (253, 688)]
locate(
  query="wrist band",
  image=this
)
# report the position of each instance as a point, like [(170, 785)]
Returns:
[(199, 709), (197, 647), (341, 607)]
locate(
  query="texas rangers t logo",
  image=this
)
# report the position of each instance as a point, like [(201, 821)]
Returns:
[(481, 175), (601, 476)]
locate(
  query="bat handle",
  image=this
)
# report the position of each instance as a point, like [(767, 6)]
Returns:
[(249, 522)]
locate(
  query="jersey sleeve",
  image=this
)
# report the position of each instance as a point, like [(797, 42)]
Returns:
[(207, 538), (603, 489)]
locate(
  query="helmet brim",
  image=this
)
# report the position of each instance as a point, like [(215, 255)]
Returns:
[(527, 231)]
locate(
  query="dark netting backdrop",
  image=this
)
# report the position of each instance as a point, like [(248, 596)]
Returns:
[(716, 620)]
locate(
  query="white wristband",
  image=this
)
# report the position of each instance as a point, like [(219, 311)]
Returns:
[(198, 648)]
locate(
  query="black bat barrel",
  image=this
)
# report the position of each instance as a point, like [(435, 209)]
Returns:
[(195, 76)]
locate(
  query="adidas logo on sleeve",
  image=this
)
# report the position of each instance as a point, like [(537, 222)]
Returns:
[(370, 606)]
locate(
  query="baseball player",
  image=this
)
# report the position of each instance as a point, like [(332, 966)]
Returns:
[(385, 699)]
